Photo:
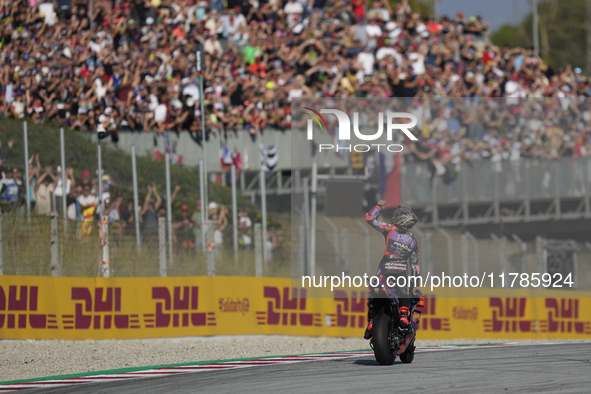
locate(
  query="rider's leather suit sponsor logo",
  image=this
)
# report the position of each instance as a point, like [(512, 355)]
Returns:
[(285, 308)]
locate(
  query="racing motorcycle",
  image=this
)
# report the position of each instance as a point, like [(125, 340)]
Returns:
[(388, 339)]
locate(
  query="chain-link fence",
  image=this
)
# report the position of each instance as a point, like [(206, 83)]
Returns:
[(44, 246), (350, 246)]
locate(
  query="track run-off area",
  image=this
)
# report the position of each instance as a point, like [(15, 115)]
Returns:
[(523, 367)]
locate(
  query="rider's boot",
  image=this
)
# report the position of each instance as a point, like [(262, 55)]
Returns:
[(404, 323)]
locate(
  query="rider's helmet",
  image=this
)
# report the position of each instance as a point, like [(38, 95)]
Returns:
[(404, 217)]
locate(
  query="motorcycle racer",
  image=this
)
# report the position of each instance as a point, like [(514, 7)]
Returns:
[(401, 247)]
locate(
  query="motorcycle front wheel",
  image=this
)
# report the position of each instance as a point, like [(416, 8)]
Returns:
[(381, 334)]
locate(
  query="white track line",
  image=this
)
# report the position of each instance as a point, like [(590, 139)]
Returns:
[(225, 365)]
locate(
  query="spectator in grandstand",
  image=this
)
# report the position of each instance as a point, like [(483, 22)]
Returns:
[(149, 215), (5, 157), (244, 229), (44, 192), (184, 235), (86, 208), (217, 215), (59, 191), (9, 190), (128, 218), (34, 169)]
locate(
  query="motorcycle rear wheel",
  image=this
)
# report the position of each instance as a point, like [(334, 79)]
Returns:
[(382, 332), (408, 355)]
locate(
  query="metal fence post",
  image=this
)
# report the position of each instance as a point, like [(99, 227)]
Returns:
[(476, 253), (429, 252), (302, 245), (496, 201), (435, 212), (234, 212), (105, 262), (210, 249), (502, 252), (314, 185), (526, 180), (54, 241), (1, 261), (203, 206), (464, 242), (367, 245), (540, 253), (523, 247), (557, 189), (263, 185), (65, 178), (306, 213), (450, 251), (345, 242), (136, 209), (258, 250), (27, 174), (169, 208), (162, 245), (335, 239)]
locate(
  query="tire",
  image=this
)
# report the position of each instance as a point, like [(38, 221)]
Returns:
[(408, 355), (382, 330)]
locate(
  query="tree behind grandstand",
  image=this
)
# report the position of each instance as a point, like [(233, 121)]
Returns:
[(563, 33)]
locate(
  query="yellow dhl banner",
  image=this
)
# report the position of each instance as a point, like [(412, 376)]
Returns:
[(117, 308)]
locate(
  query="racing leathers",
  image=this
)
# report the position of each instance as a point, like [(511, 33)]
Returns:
[(401, 248)]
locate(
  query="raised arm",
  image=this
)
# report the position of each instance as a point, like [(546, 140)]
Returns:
[(372, 219), (158, 198)]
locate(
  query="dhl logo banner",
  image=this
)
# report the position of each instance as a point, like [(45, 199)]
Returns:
[(118, 308)]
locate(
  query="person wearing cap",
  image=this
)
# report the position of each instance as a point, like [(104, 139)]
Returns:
[(59, 191), (184, 236)]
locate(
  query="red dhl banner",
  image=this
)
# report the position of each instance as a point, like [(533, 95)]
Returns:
[(118, 308)]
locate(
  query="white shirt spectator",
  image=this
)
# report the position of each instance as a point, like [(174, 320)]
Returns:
[(515, 151), (291, 9), (234, 27), (388, 51), (59, 188), (211, 45), (367, 60), (418, 63), (373, 30), (160, 113)]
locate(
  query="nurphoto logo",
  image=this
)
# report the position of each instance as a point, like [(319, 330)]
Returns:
[(344, 130)]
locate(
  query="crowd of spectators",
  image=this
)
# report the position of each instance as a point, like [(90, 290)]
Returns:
[(134, 67), (83, 206)]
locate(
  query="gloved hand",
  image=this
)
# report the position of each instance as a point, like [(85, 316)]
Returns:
[(417, 291), (381, 203)]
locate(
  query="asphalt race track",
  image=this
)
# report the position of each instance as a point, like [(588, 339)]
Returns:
[(551, 368)]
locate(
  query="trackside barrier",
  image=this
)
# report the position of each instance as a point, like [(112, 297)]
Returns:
[(117, 308)]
